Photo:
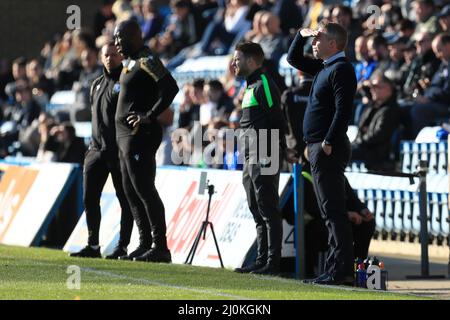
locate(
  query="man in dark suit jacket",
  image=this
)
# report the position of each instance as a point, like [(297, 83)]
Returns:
[(325, 124)]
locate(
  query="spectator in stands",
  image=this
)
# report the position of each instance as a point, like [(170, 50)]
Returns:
[(45, 124), (102, 15), (257, 6), (65, 145), (396, 46), (422, 68), (272, 39), (426, 20), (182, 29), (19, 72), (226, 29), (405, 28), (365, 64), (5, 78), (138, 12), (343, 15), (42, 87), (190, 106), (222, 105), (444, 18), (378, 123), (289, 14), (91, 70), (434, 103), (378, 52), (152, 20), (20, 115), (123, 10), (255, 34)]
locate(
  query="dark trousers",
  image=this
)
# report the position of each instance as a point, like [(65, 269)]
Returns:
[(329, 183), (362, 234), (138, 165), (263, 201), (97, 166)]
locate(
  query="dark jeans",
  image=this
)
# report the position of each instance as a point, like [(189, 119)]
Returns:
[(329, 183), (138, 165), (97, 166), (263, 201)]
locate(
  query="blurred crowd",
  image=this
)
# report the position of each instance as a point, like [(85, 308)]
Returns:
[(400, 51)]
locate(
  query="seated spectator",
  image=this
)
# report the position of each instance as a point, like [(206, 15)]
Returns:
[(365, 64), (396, 46), (255, 34), (41, 87), (422, 68), (289, 14), (65, 145), (434, 103), (227, 30), (444, 18), (91, 70), (20, 115), (19, 72), (426, 20), (378, 52), (152, 23), (271, 40), (189, 110), (209, 109), (344, 16), (378, 122)]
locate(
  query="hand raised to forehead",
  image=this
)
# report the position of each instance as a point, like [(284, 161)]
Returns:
[(307, 32)]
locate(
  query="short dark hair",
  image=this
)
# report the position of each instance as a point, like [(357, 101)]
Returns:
[(444, 38), (346, 9), (215, 85), (20, 61), (336, 32), (251, 50)]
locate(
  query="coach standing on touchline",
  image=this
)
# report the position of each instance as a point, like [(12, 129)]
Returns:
[(325, 125)]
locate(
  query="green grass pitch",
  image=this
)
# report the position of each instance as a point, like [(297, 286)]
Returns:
[(35, 273)]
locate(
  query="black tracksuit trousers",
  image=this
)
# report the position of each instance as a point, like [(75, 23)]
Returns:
[(263, 201), (138, 166), (97, 166)]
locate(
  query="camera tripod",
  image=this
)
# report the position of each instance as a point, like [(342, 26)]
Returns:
[(203, 229)]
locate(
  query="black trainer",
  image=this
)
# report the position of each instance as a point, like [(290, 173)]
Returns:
[(118, 252), (268, 270), (136, 253), (86, 252), (155, 255), (250, 268)]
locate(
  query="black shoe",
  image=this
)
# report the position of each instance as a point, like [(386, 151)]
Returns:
[(86, 252), (269, 270), (322, 276), (250, 268), (118, 252), (136, 253), (330, 280), (155, 255)]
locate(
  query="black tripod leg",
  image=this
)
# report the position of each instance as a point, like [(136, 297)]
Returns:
[(191, 254), (215, 241)]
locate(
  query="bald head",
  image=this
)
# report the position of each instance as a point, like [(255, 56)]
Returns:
[(128, 37)]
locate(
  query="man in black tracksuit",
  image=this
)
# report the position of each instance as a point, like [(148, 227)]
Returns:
[(261, 110), (325, 125), (102, 157), (146, 90)]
